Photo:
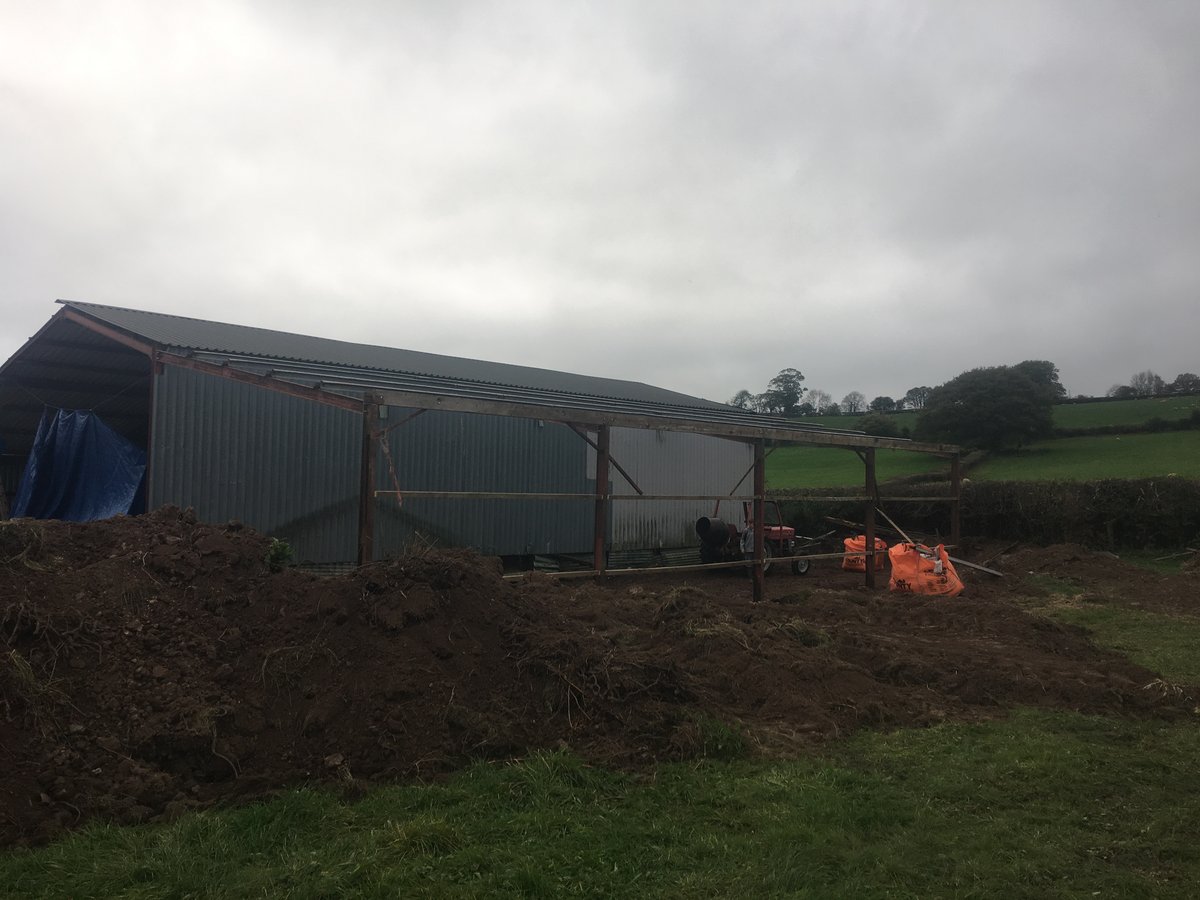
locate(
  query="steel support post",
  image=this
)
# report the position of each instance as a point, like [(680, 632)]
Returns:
[(600, 533), (869, 518), (366, 482), (760, 489), (956, 502)]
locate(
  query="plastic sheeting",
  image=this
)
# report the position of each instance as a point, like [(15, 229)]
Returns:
[(79, 470)]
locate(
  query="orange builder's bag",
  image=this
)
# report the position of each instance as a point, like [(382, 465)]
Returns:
[(916, 569), (858, 546)]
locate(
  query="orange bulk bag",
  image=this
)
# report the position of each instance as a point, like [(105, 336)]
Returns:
[(916, 569), (858, 545)]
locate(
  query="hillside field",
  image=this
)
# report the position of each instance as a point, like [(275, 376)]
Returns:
[(1071, 459), (1066, 415)]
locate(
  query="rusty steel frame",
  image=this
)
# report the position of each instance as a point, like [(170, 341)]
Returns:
[(579, 420)]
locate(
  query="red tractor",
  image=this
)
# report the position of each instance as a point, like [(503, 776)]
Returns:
[(722, 542)]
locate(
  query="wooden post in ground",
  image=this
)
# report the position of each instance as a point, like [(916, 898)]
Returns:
[(758, 576), (869, 518), (600, 524), (366, 482)]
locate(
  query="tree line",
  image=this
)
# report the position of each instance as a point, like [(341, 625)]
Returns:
[(994, 408), (786, 396)]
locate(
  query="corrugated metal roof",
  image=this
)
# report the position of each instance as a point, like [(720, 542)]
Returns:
[(200, 335)]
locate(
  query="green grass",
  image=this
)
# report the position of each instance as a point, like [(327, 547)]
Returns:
[(1167, 644), (1039, 805), (1088, 458), (1123, 412), (805, 467), (1066, 415)]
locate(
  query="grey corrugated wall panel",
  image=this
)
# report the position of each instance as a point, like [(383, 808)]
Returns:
[(286, 466), (672, 462), (446, 451)]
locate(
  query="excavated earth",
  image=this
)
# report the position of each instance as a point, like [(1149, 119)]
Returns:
[(152, 665)]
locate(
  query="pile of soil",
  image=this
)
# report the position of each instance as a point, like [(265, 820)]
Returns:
[(152, 665)]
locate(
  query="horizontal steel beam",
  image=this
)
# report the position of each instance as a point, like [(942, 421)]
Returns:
[(593, 418)]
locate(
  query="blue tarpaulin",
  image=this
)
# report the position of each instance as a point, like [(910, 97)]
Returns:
[(79, 470)]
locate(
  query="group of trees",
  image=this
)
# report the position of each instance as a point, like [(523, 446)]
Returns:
[(786, 396), (1149, 384), (994, 408)]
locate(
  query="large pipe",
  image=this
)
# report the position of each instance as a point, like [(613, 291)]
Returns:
[(713, 531)]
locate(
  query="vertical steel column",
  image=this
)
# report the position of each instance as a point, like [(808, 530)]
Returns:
[(760, 490), (600, 533), (956, 502), (156, 369), (869, 518), (366, 481)]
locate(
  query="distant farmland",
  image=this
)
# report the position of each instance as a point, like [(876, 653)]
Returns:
[(1070, 459)]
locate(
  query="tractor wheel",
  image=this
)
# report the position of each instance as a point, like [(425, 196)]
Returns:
[(768, 555), (800, 566)]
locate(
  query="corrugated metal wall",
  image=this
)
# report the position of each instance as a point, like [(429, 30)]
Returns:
[(286, 466), (672, 462), (289, 468), (443, 451)]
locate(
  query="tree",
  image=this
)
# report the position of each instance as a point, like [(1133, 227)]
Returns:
[(994, 408), (917, 397), (1121, 392), (833, 410), (1185, 383), (743, 399), (820, 400), (853, 403), (878, 424), (1044, 373), (783, 393), (1146, 384), (882, 404)]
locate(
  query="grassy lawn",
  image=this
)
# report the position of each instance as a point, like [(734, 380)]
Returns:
[(1039, 804), (1087, 458), (804, 467)]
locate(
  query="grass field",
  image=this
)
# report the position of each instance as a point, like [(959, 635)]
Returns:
[(1039, 804), (1068, 459), (1124, 412), (792, 467), (1066, 415), (1087, 458)]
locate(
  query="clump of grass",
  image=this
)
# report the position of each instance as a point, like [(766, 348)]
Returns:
[(803, 633), (279, 555), (426, 835), (39, 696)]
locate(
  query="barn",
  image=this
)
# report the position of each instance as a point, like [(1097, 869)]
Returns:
[(350, 452)]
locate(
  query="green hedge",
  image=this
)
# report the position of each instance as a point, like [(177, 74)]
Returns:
[(1112, 513)]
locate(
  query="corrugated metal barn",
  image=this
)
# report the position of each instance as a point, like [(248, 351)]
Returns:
[(295, 436)]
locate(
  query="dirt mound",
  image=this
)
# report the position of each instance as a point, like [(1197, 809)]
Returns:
[(154, 664)]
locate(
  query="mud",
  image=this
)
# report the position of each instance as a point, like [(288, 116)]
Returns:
[(153, 665)]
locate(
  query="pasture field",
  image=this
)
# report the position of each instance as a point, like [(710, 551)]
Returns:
[(1124, 412), (803, 467), (1090, 458), (1066, 415)]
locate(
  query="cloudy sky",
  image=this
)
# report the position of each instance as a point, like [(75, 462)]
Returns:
[(691, 194)]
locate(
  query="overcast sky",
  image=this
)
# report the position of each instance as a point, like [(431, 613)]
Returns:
[(689, 194)]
